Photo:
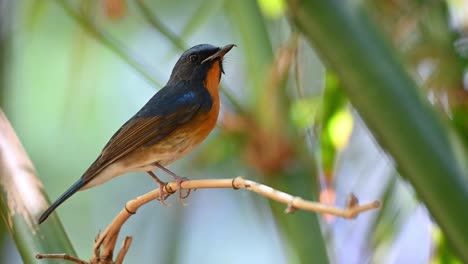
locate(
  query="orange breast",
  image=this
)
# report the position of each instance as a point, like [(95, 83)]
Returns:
[(178, 144), (211, 83), (197, 130)]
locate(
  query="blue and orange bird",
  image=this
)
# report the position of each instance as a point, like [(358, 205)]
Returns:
[(170, 125)]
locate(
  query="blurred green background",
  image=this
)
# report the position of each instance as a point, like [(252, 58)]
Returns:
[(75, 71)]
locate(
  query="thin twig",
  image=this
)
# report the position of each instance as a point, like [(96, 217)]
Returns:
[(123, 251), (109, 237), (61, 256)]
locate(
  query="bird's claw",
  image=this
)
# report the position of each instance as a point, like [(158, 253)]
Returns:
[(163, 193), (163, 186), (179, 181)]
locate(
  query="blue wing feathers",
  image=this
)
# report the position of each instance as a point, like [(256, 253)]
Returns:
[(171, 99)]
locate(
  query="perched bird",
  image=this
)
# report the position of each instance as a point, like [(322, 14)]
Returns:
[(171, 124)]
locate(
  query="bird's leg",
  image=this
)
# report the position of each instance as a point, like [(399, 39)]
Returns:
[(179, 180), (162, 188)]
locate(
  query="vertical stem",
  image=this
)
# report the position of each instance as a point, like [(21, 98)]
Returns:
[(22, 199)]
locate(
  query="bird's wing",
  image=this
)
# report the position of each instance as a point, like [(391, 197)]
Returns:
[(164, 113)]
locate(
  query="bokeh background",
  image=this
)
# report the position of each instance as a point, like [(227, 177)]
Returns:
[(75, 71)]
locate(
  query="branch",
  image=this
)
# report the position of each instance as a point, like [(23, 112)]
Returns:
[(94, 260), (108, 239), (105, 243), (61, 256)]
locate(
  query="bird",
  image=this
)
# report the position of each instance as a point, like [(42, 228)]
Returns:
[(169, 126)]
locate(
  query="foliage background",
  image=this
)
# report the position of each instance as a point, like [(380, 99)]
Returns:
[(77, 70)]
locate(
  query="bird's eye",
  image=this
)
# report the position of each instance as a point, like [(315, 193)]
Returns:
[(193, 58)]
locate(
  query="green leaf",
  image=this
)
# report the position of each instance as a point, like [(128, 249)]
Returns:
[(390, 103)]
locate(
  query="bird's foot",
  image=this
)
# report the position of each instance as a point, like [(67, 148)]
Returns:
[(163, 193), (179, 180)]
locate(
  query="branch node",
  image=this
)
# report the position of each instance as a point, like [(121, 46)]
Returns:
[(128, 211), (352, 201), (291, 209), (234, 185), (168, 189)]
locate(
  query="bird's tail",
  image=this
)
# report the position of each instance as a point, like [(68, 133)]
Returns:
[(73, 189)]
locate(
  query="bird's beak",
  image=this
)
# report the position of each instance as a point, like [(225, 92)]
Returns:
[(220, 53)]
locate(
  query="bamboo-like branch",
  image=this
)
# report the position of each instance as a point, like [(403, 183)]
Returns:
[(22, 197), (105, 243), (109, 237)]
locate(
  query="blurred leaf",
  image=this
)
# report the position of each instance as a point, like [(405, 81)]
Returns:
[(36, 12), (443, 253), (272, 8), (303, 110), (460, 121), (334, 102), (430, 35), (3, 236), (339, 129), (389, 101)]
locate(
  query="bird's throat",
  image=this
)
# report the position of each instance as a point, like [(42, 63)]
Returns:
[(211, 83), (212, 79)]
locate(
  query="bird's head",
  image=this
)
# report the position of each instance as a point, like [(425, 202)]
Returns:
[(195, 63)]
